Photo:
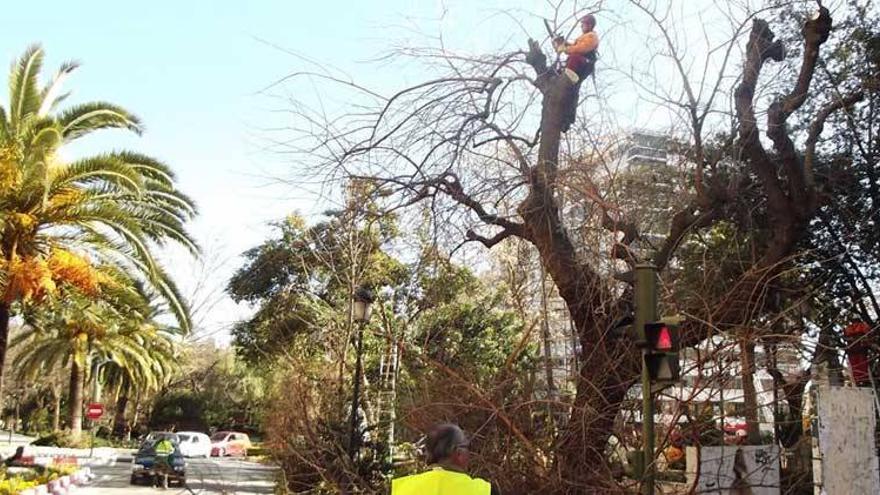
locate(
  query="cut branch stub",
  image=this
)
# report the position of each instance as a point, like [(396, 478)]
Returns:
[(536, 58)]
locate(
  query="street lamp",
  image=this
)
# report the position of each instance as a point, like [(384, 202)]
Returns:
[(360, 309), (361, 305)]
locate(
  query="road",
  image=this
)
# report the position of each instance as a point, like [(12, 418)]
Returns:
[(16, 438), (204, 476)]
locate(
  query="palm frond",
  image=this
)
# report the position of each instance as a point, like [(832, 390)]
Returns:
[(51, 95), (24, 94), (83, 119), (177, 304), (100, 169), (4, 124), (148, 166)]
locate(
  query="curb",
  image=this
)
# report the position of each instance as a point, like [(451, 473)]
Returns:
[(64, 485)]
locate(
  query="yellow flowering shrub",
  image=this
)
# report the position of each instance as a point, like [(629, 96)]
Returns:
[(15, 484)]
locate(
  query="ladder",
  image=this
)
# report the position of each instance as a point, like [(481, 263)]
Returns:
[(387, 395)]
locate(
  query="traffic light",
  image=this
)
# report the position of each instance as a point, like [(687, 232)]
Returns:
[(661, 354)]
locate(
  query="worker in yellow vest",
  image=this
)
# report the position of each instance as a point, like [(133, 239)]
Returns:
[(448, 457)]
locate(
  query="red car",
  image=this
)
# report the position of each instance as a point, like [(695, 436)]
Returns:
[(224, 443)]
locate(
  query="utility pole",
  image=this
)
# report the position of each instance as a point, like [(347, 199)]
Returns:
[(645, 312)]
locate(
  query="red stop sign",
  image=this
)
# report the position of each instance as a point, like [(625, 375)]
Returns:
[(95, 411)]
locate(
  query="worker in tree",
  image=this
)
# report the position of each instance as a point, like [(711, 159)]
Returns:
[(448, 457), (581, 53), (580, 64)]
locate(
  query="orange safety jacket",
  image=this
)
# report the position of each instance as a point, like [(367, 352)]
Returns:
[(584, 44), (439, 481)]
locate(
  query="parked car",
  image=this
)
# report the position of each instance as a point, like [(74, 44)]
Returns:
[(194, 444), (225, 443), (154, 436), (146, 466)]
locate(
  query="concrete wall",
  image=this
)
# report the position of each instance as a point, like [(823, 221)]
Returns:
[(845, 453)]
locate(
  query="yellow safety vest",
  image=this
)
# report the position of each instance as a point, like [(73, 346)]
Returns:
[(439, 481), (164, 447)]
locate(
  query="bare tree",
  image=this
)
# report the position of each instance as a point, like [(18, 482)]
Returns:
[(488, 132)]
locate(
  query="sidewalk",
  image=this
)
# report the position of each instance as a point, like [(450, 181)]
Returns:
[(14, 440)]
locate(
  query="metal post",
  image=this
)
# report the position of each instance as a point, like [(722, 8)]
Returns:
[(645, 312), (353, 443)]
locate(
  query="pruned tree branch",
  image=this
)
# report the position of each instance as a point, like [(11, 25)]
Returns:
[(815, 130), (489, 242), (761, 47)]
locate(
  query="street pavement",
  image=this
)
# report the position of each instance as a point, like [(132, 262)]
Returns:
[(14, 439), (204, 476)]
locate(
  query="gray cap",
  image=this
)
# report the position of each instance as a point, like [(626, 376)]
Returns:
[(443, 440)]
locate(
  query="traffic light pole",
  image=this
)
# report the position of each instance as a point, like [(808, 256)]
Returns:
[(646, 311)]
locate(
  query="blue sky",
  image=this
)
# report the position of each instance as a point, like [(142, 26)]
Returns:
[(192, 71)]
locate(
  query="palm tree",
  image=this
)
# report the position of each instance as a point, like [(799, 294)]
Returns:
[(137, 380), (157, 343), (57, 219), (115, 334)]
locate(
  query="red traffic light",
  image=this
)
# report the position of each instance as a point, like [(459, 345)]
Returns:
[(661, 356), (664, 339), (660, 337)]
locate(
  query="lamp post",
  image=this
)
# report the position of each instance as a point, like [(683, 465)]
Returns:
[(360, 309)]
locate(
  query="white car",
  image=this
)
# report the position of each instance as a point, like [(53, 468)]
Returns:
[(194, 444)]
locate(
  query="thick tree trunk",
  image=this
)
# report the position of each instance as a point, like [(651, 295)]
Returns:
[(4, 340), (137, 411), (56, 412), (793, 421), (581, 455), (545, 336), (119, 419), (607, 367), (750, 396), (77, 381), (17, 418), (827, 353)]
